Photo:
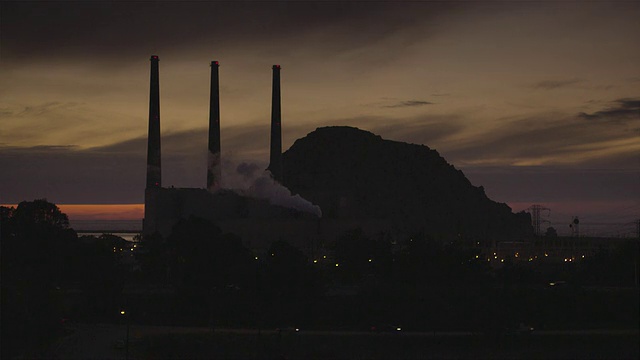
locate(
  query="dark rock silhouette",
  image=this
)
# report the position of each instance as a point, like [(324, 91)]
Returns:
[(354, 174)]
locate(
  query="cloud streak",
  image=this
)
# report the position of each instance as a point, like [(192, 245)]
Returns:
[(555, 84), (624, 109), (115, 173), (553, 138), (116, 29), (408, 103)]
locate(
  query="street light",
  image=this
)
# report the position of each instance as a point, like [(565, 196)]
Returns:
[(126, 343)]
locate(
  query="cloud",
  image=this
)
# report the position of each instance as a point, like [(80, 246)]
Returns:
[(624, 109), (555, 84), (108, 174), (115, 173), (432, 131), (66, 174), (544, 139), (538, 139), (114, 30), (630, 103), (408, 103), (63, 122), (37, 109), (425, 129)]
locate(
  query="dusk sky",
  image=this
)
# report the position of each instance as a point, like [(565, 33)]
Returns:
[(537, 101)]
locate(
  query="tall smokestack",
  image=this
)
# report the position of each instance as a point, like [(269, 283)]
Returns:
[(214, 170), (154, 173), (275, 164)]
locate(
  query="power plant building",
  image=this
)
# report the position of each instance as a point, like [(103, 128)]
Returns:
[(256, 221)]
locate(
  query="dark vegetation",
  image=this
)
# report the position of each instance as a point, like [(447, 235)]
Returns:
[(200, 276), (45, 267)]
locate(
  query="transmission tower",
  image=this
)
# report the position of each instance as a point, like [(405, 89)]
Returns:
[(537, 211)]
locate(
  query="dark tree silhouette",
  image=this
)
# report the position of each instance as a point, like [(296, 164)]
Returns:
[(210, 270), (153, 257), (290, 285), (551, 232), (36, 241)]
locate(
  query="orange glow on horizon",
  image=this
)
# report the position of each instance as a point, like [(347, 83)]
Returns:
[(100, 211)]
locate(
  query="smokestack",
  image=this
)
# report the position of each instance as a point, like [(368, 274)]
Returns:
[(154, 174), (275, 163), (214, 170)]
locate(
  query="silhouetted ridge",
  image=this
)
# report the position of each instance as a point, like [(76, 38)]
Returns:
[(354, 174)]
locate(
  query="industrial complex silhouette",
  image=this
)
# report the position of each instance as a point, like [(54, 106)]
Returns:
[(257, 221), (359, 180)]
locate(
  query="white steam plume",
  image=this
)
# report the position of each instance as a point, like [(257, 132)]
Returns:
[(250, 180)]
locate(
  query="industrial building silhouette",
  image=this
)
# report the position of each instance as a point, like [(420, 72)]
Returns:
[(256, 221)]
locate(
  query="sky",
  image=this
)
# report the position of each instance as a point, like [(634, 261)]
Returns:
[(537, 101)]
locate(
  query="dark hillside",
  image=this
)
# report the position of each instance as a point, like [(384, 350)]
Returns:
[(354, 174)]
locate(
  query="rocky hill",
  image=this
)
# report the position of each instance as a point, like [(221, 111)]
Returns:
[(356, 175)]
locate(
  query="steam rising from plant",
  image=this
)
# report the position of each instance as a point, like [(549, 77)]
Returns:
[(248, 179)]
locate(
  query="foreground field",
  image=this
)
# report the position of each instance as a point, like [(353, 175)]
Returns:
[(147, 342)]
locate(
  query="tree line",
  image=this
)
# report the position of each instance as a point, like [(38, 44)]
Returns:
[(50, 275)]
